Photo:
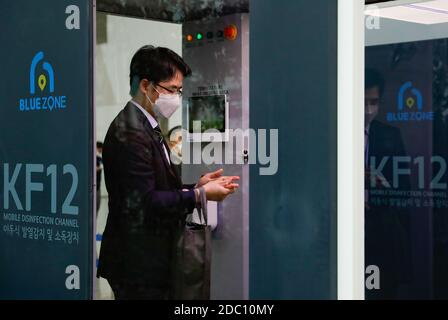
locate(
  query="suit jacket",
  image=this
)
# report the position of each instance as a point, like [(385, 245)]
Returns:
[(146, 203)]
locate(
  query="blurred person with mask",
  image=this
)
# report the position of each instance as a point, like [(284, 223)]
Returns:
[(175, 143), (99, 173)]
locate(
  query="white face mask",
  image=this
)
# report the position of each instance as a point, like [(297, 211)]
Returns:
[(166, 104), (177, 149)]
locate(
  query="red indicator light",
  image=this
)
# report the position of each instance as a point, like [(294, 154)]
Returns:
[(189, 38), (231, 32)]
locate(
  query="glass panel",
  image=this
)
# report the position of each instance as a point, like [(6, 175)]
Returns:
[(406, 148)]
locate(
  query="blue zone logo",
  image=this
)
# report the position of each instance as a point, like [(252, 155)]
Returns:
[(45, 99), (410, 106)]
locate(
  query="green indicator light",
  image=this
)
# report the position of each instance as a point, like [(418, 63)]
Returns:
[(199, 36)]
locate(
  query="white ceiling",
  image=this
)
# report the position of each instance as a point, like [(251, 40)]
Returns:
[(422, 12)]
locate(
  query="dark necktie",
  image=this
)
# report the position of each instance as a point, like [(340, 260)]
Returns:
[(159, 134), (162, 141)]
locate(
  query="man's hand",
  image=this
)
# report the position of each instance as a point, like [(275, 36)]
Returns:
[(219, 188), (209, 177)]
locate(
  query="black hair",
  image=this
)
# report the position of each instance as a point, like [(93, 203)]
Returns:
[(156, 65), (374, 79), (172, 130), (99, 144)]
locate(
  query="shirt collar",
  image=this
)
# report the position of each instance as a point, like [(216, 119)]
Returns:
[(150, 118)]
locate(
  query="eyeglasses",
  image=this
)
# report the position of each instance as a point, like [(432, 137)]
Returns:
[(179, 91)]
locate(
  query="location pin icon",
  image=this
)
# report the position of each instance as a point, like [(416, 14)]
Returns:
[(42, 81)]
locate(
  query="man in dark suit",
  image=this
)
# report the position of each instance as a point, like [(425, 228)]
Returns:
[(147, 201), (387, 242)]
